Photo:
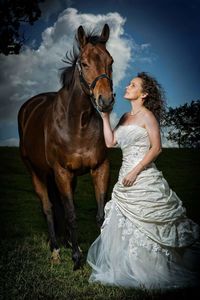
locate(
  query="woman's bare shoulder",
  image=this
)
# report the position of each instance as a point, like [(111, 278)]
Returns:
[(148, 114), (149, 118)]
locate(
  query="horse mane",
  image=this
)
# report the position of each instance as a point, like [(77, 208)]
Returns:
[(67, 75)]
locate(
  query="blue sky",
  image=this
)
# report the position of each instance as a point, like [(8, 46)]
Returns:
[(159, 37)]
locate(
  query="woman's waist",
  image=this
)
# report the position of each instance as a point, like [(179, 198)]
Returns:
[(132, 158), (128, 166), (134, 152)]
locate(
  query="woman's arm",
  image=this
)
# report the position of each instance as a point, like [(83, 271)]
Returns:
[(153, 130), (108, 132)]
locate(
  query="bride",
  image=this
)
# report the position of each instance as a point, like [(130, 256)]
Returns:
[(146, 239)]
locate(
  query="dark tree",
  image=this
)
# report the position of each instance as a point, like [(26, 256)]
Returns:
[(183, 124), (12, 14)]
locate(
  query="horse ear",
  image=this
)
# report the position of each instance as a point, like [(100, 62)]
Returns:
[(105, 33), (81, 36)]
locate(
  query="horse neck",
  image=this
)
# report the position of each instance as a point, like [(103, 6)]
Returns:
[(76, 106)]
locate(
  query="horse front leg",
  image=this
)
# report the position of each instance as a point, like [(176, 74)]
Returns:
[(64, 181), (100, 178)]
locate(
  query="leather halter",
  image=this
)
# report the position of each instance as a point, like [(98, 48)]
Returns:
[(90, 87)]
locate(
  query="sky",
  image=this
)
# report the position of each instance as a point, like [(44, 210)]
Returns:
[(159, 37)]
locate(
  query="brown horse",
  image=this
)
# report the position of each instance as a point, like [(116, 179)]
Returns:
[(61, 134)]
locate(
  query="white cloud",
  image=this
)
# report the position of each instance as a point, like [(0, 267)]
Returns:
[(142, 53), (168, 144), (12, 142)]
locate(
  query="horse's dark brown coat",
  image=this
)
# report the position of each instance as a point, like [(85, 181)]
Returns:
[(61, 136)]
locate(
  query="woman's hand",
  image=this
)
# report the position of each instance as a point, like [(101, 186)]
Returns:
[(105, 115), (130, 178)]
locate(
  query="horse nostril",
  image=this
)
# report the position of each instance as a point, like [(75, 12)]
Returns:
[(101, 100), (104, 103)]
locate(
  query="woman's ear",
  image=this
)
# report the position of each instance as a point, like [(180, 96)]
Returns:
[(144, 95)]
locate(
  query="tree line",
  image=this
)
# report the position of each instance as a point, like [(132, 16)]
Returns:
[(182, 124), (14, 13)]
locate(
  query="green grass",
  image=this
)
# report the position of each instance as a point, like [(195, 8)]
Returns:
[(26, 271)]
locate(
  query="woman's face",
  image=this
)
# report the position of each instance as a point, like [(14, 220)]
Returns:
[(134, 89)]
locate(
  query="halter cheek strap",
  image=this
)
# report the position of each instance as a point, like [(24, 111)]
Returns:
[(92, 85)]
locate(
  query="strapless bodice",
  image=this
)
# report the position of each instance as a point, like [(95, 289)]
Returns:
[(134, 142)]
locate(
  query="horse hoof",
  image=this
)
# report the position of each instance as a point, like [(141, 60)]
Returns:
[(100, 222), (77, 265), (76, 257), (55, 257)]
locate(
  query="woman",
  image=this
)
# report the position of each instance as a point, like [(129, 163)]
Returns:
[(146, 239)]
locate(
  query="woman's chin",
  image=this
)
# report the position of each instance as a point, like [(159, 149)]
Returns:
[(126, 97)]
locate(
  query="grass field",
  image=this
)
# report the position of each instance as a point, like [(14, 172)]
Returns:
[(26, 271)]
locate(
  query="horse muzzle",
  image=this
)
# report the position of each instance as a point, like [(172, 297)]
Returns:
[(105, 105)]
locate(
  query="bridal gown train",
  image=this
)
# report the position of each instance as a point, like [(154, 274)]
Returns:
[(146, 239)]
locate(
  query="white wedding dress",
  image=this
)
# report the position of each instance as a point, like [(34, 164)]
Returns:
[(146, 239)]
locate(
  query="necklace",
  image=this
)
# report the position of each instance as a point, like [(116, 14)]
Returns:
[(133, 114)]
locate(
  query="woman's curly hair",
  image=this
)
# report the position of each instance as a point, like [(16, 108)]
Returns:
[(155, 99)]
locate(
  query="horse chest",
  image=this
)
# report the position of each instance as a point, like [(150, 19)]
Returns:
[(81, 161)]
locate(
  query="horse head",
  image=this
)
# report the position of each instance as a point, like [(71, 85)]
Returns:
[(95, 68)]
